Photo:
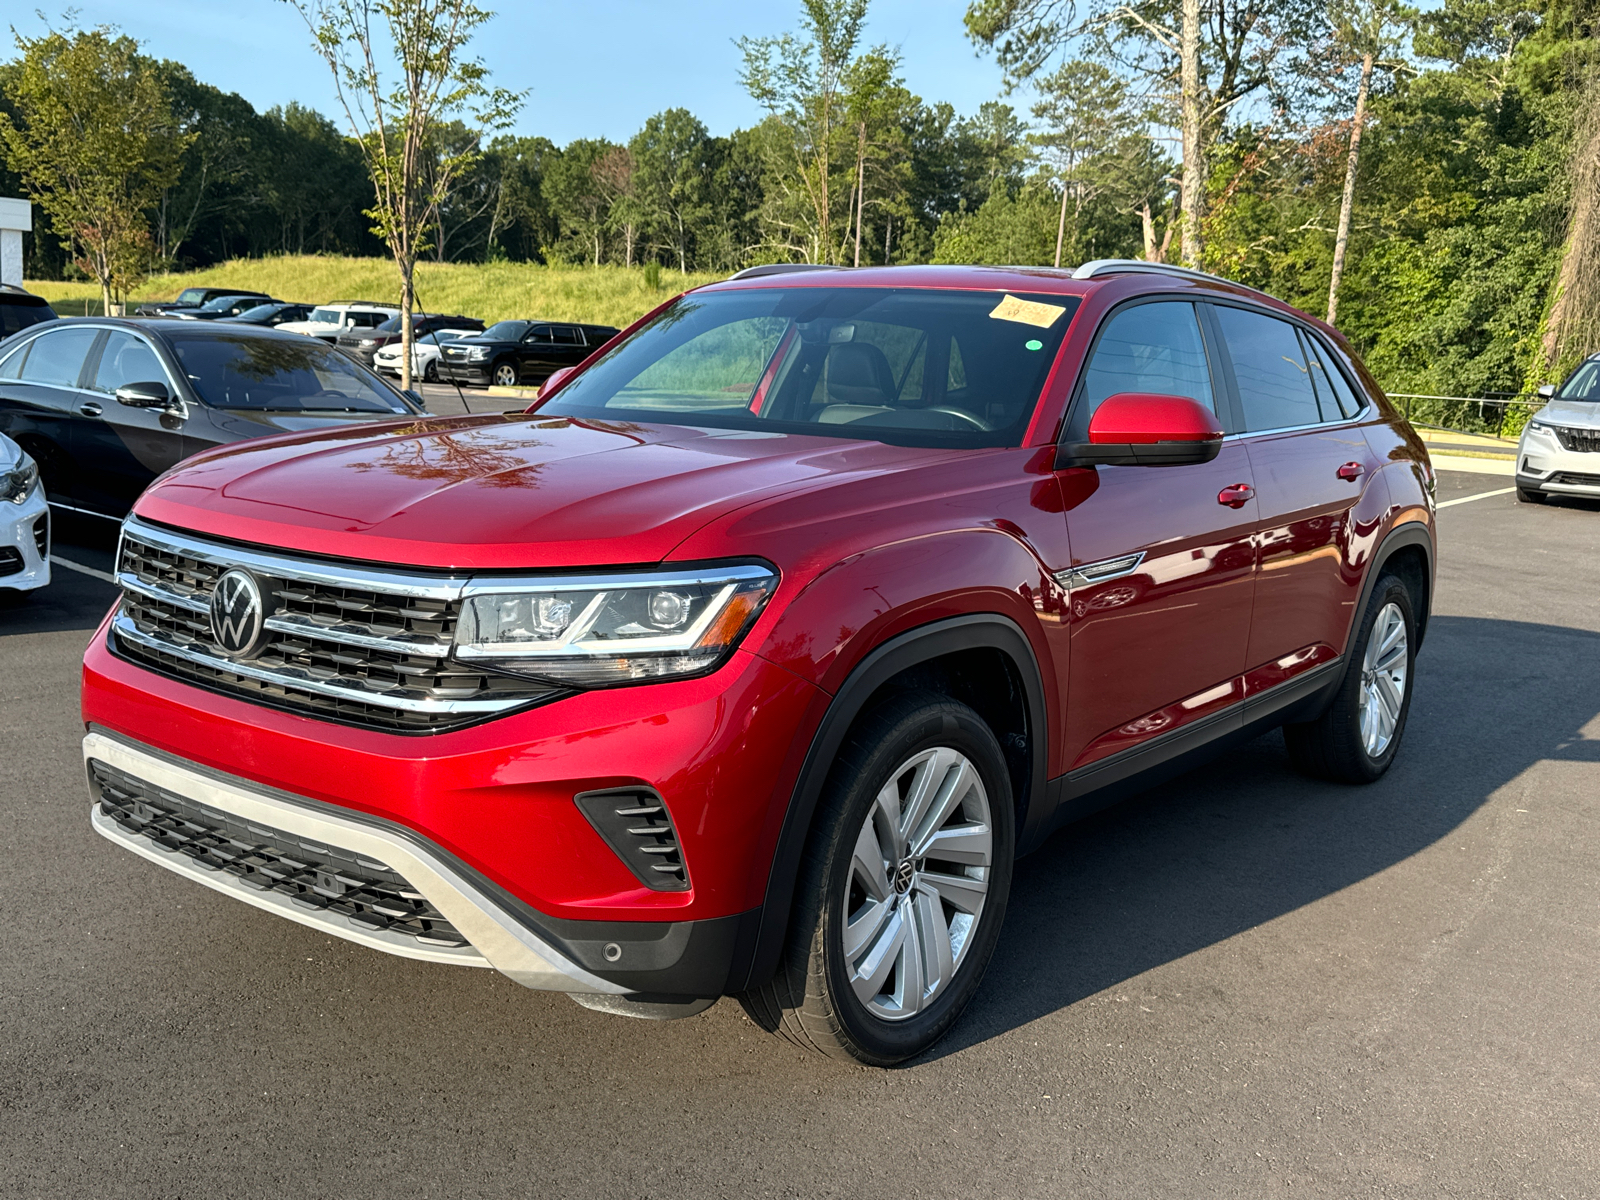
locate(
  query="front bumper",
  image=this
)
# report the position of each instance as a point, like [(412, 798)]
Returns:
[(25, 543), (1544, 466), (498, 938), (471, 373)]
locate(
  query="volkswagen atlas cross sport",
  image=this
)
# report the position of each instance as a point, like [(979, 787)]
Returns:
[(749, 659)]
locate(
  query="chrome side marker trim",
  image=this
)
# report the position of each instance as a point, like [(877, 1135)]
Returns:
[(1099, 572)]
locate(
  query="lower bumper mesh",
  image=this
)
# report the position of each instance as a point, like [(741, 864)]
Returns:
[(325, 878)]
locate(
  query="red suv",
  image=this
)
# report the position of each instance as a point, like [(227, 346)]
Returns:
[(749, 659)]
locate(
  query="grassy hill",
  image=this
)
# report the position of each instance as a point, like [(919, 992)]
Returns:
[(493, 292)]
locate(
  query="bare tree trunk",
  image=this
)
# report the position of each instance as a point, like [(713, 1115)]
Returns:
[(1061, 223), (1194, 155), (627, 243), (861, 185), (1574, 319), (887, 223), (1346, 202), (1147, 226), (408, 300)]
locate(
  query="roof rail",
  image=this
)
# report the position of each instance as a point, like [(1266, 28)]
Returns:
[(782, 269), (1134, 266)]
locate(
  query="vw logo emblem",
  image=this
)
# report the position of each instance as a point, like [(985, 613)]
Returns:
[(903, 875), (237, 614)]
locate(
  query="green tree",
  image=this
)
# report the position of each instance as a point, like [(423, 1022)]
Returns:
[(433, 81), (671, 159), (92, 134), (580, 198)]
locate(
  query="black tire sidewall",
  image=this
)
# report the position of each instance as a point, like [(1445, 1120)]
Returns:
[(1388, 590), (940, 723)]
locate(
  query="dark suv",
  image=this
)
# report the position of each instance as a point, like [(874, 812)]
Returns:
[(362, 344), (512, 353), (749, 659), (20, 309)]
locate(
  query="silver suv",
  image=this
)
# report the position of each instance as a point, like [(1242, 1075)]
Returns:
[(1559, 454)]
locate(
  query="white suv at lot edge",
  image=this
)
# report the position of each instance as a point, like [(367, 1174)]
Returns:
[(24, 522), (328, 321), (1559, 454)]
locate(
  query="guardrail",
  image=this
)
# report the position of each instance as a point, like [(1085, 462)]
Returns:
[(1489, 414)]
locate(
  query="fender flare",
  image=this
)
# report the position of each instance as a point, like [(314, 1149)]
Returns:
[(974, 631), (1409, 533)]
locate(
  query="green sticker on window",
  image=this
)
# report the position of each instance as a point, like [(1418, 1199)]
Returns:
[(1034, 344)]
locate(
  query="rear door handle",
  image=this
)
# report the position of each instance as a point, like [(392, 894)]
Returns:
[(1236, 495), (90, 408), (1351, 471)]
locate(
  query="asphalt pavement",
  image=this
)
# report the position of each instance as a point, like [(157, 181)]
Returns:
[(1242, 983)]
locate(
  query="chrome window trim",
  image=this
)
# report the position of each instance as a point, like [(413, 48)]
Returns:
[(122, 625), (449, 587), (1342, 423)]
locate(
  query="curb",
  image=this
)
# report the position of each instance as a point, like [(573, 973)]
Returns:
[(1476, 464)]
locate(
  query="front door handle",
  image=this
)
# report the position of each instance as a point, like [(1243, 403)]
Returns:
[(90, 408), (1236, 495), (1351, 471)]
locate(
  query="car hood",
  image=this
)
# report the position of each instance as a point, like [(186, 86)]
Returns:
[(1581, 414), (509, 491)]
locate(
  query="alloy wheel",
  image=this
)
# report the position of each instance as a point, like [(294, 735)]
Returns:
[(917, 883), (1384, 669), (505, 375)]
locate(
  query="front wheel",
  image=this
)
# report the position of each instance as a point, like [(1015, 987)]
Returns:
[(902, 890), (1529, 495), (505, 375), (430, 371), (1355, 740)]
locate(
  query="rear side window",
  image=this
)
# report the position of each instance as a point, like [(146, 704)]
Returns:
[(1334, 392), (566, 335), (1271, 370), (57, 357), (14, 318), (1147, 348)]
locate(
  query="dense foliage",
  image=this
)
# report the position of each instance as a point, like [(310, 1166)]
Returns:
[(1460, 213)]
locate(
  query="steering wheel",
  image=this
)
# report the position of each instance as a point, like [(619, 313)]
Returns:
[(961, 413)]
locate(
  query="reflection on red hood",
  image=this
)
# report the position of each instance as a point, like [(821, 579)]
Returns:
[(508, 491)]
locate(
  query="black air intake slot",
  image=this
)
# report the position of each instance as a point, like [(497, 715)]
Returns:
[(635, 823)]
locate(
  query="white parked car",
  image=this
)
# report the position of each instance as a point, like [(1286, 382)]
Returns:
[(424, 354), (328, 321), (24, 521), (1559, 454)]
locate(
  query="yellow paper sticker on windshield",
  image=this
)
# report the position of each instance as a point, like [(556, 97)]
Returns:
[(1027, 312)]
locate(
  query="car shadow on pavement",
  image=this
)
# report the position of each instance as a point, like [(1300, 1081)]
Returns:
[(1245, 839), (72, 599)]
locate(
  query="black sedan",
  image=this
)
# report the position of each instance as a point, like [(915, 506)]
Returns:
[(269, 316), (510, 353), (105, 405), (192, 298), (221, 308)]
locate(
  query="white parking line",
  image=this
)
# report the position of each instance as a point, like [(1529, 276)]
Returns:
[(79, 567), (1479, 496)]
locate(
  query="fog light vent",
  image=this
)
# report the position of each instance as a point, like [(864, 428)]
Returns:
[(41, 534), (636, 825)]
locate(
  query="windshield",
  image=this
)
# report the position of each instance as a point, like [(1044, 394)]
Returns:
[(260, 312), (191, 296), (1583, 384), (221, 303), (925, 367), (324, 316), (505, 331), (280, 374)]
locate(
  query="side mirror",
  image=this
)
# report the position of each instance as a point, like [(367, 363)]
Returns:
[(145, 395), (1143, 429), (555, 379), (1547, 391)]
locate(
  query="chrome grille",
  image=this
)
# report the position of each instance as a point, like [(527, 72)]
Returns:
[(353, 644), (327, 879), (1585, 441)]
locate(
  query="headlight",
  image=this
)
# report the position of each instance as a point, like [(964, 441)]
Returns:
[(1538, 427), (478, 353), (369, 341), (17, 484), (612, 629)]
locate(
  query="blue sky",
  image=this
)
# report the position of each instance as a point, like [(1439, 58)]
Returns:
[(596, 69)]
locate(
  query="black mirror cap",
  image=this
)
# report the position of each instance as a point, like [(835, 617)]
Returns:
[(144, 395), (1147, 454)]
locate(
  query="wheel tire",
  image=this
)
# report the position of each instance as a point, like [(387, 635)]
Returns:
[(1338, 745), (430, 371), (810, 999), (1528, 496), (505, 375)]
